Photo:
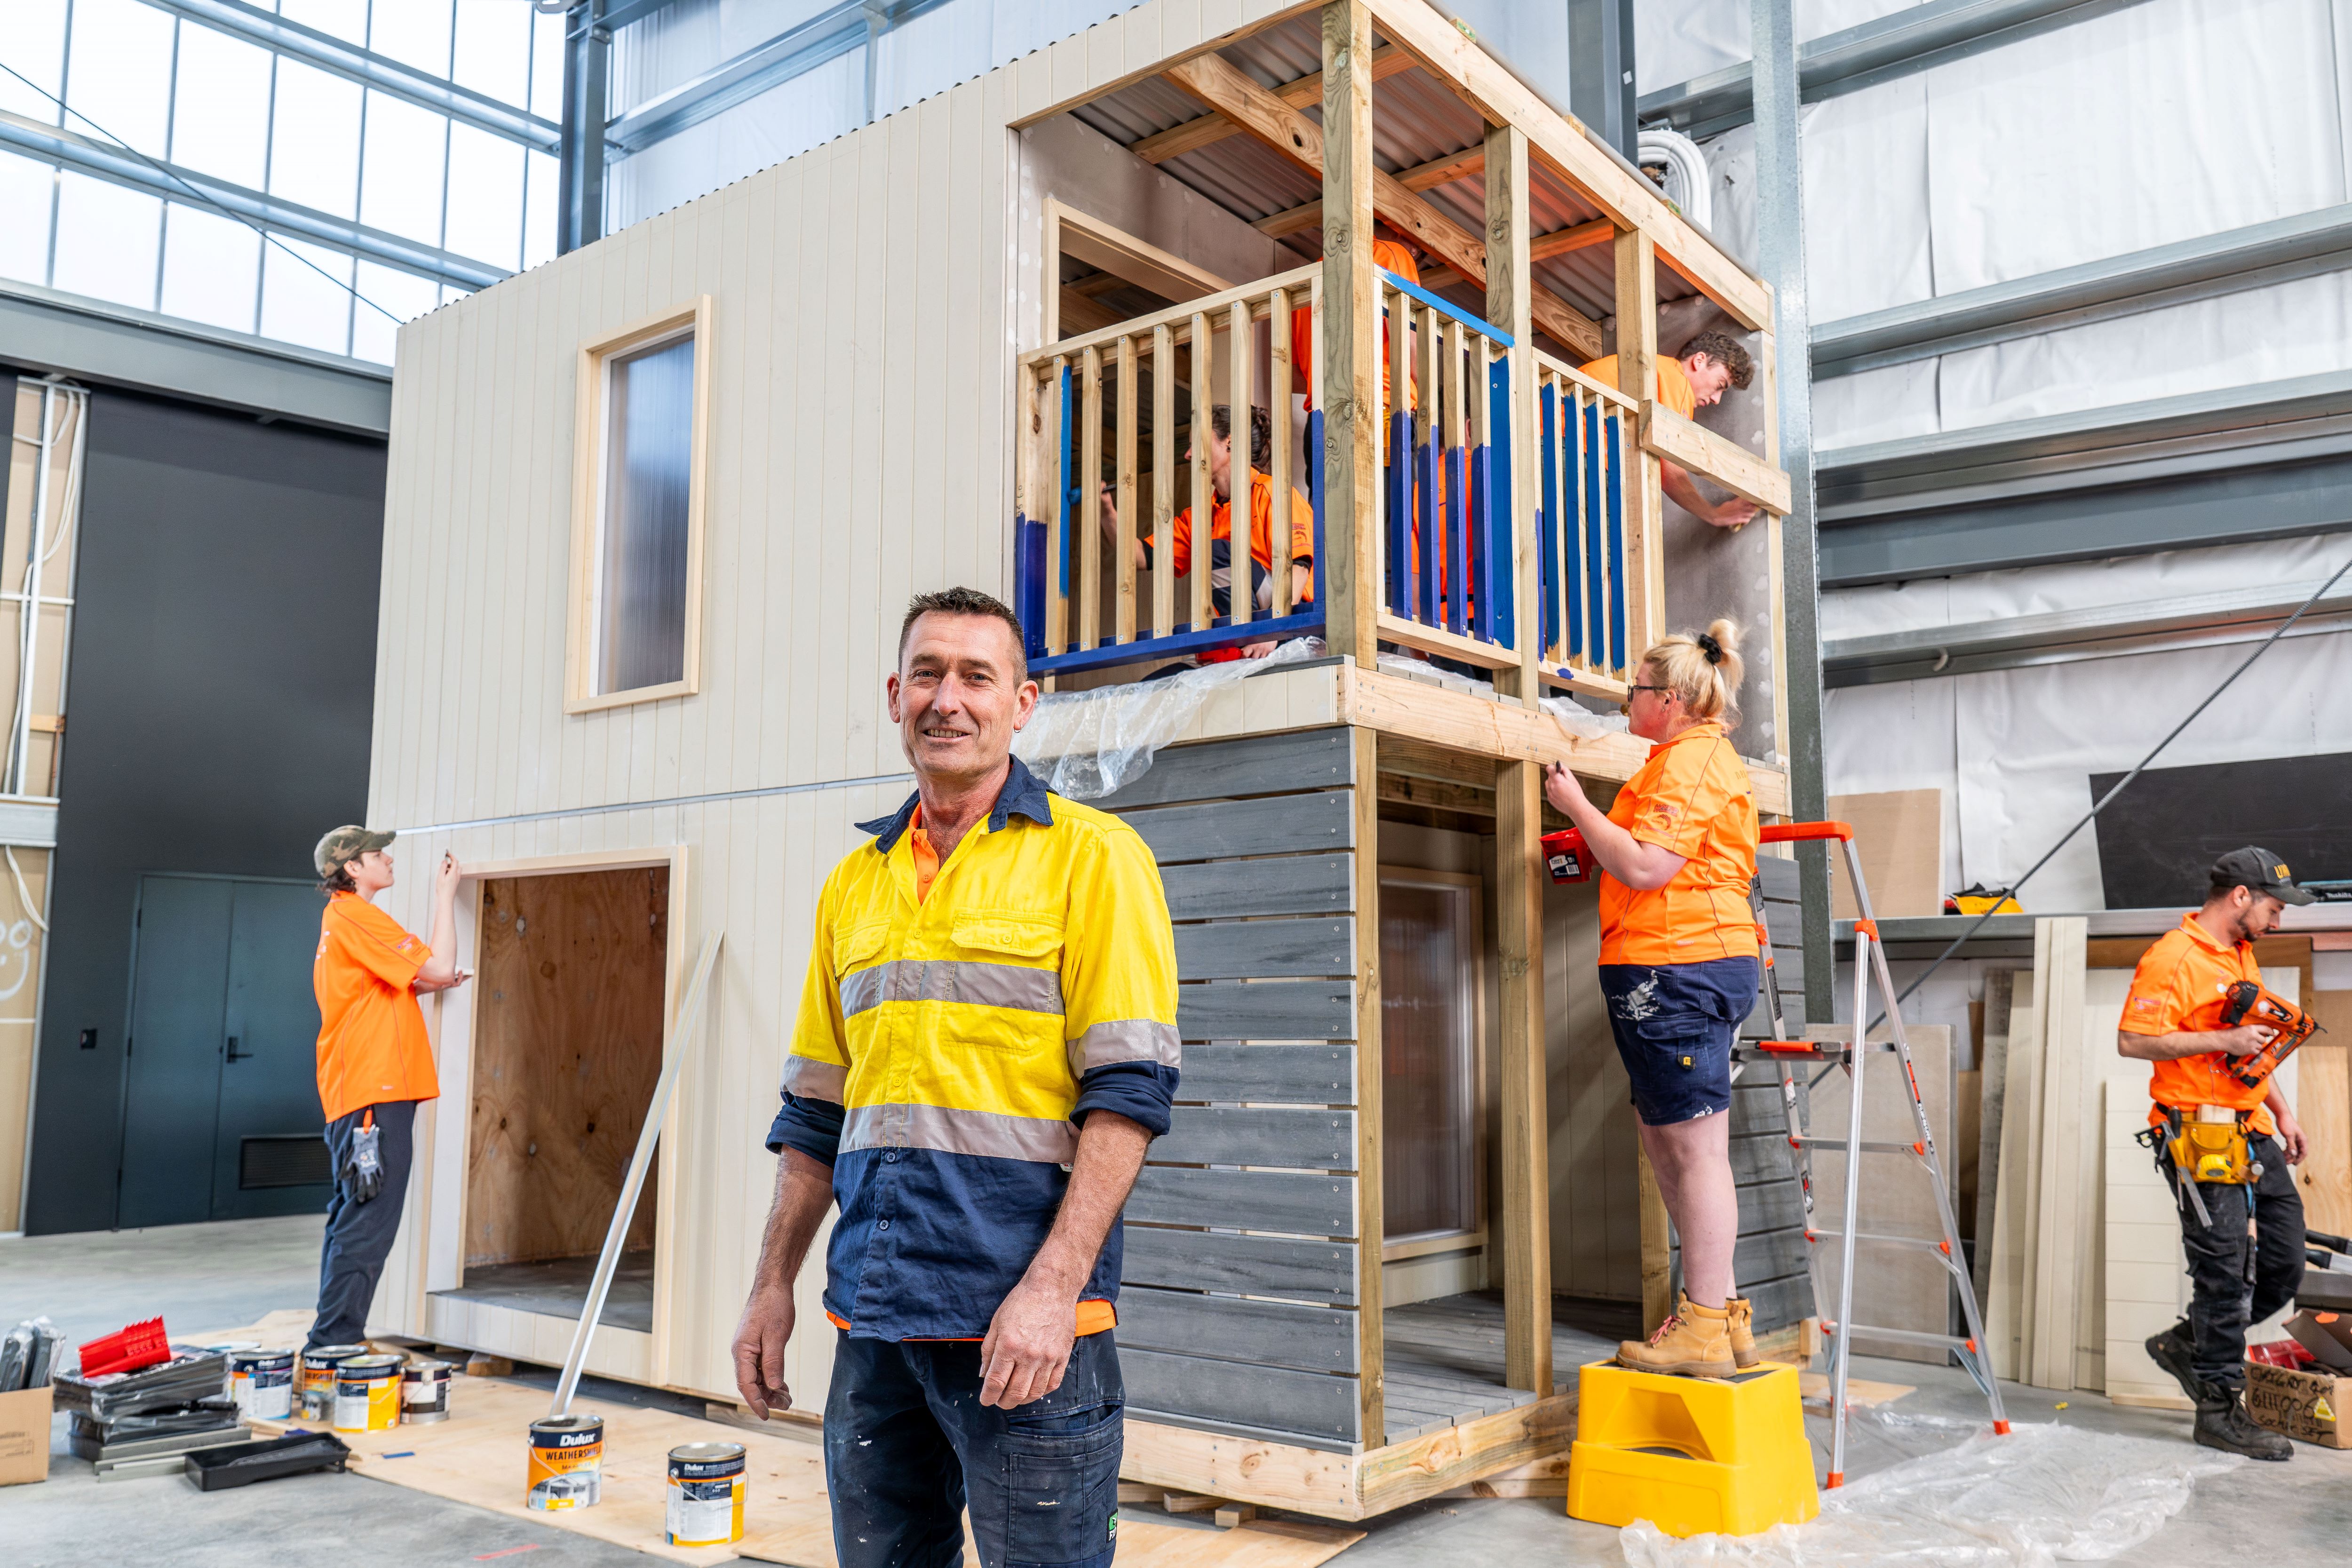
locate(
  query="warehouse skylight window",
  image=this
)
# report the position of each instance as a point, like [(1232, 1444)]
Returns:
[(637, 512)]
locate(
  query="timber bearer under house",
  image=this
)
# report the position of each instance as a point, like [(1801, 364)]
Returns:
[(654, 507)]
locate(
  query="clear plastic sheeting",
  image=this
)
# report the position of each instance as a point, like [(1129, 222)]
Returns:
[(1581, 721), (2047, 1493), (1088, 744)]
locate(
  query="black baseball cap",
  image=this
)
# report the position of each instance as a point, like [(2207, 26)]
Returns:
[(2260, 870)]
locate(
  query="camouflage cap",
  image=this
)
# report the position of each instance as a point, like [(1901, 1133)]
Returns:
[(344, 844)]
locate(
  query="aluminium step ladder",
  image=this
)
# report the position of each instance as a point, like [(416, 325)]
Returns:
[(1789, 1057)]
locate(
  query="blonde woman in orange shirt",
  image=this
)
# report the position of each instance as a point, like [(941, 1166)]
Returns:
[(1678, 965)]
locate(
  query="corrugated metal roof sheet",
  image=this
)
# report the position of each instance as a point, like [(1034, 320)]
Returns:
[(1416, 119)]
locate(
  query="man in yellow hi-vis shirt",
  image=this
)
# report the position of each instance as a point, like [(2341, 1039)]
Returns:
[(986, 1045)]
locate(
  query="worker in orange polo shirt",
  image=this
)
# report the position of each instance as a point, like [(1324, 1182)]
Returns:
[(1709, 364), (375, 1061), (1679, 969), (2243, 1238)]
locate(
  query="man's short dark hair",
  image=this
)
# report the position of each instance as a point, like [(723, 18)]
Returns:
[(967, 601), (1726, 351)]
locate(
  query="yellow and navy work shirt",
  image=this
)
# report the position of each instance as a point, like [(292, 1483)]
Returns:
[(950, 1042)]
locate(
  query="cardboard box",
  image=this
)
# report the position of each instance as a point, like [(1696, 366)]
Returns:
[(25, 1436), (2309, 1406)]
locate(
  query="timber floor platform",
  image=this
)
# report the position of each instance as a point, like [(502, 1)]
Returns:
[(558, 1287), (1443, 1364)]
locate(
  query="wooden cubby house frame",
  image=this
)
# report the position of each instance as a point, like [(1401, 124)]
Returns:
[(917, 350)]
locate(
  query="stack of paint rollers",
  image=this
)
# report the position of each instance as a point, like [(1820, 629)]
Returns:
[(28, 1355)]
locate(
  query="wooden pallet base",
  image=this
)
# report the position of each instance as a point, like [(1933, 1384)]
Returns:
[(1348, 1485)]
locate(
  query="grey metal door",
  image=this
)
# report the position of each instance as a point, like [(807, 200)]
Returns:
[(221, 1115), (268, 1155)]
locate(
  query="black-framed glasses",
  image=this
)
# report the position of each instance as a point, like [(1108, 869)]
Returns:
[(1631, 689)]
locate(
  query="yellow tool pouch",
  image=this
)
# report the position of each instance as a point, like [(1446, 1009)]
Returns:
[(2211, 1151)]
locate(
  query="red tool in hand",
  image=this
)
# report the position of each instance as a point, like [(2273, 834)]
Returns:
[(2290, 1026)]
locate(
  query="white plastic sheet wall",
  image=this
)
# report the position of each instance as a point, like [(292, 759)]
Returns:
[(2161, 121)]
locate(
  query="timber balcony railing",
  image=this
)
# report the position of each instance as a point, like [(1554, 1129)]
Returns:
[(1448, 556)]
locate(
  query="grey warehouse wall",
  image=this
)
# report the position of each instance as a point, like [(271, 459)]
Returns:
[(223, 681)]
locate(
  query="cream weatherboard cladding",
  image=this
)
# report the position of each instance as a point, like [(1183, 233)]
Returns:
[(856, 455)]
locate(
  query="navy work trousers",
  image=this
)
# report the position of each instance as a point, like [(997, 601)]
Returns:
[(907, 1445), (2244, 1267), (359, 1235)]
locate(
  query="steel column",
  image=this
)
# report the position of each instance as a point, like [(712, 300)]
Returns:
[(580, 182), (1781, 250)]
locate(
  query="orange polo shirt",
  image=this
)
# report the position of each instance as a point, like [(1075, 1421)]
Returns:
[(1388, 256), (1692, 798), (1674, 389), (1261, 541), (2179, 987), (373, 1048)]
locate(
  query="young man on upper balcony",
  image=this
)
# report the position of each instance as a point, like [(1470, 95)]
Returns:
[(1709, 364)]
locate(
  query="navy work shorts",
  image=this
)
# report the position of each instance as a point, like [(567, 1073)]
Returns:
[(1674, 1024)]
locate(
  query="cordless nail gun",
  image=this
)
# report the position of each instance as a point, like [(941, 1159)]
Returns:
[(2247, 1002)]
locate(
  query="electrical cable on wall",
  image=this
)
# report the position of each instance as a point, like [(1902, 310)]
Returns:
[(2120, 786), (171, 174)]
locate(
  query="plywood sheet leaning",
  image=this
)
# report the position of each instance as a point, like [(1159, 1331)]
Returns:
[(1899, 834), (2325, 1109), (2066, 1187), (1894, 1287), (1993, 1064), (2009, 1322)]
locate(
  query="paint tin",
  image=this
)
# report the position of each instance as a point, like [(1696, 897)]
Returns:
[(262, 1383), (314, 1385), (567, 1462), (367, 1393), (705, 1495), (423, 1392)]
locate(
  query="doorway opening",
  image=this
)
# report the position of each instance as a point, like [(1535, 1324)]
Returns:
[(567, 1052)]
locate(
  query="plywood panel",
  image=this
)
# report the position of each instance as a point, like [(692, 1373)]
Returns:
[(568, 1048), (1899, 836), (2325, 1109)]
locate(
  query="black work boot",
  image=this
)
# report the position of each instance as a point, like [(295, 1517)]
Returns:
[(2171, 1349), (2222, 1423)]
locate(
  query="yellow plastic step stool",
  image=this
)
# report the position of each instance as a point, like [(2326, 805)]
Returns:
[(1693, 1455)]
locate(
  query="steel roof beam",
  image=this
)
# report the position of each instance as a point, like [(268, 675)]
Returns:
[(122, 167), (2096, 632), (118, 345), (350, 62), (1915, 40), (825, 37), (2255, 256)]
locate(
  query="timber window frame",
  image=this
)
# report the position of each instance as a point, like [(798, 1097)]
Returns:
[(689, 322)]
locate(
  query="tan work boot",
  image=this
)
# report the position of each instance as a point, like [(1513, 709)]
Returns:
[(1694, 1342), (1743, 1331)]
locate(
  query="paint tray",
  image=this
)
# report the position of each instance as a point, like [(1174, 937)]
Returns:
[(242, 1464)]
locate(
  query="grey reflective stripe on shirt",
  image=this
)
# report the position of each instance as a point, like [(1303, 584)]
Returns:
[(953, 980), (1123, 1040), (813, 1080), (950, 1131)]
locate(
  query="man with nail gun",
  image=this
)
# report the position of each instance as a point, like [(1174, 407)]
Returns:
[(2222, 1133)]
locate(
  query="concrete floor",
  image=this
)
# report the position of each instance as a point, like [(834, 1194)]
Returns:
[(2296, 1515)]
